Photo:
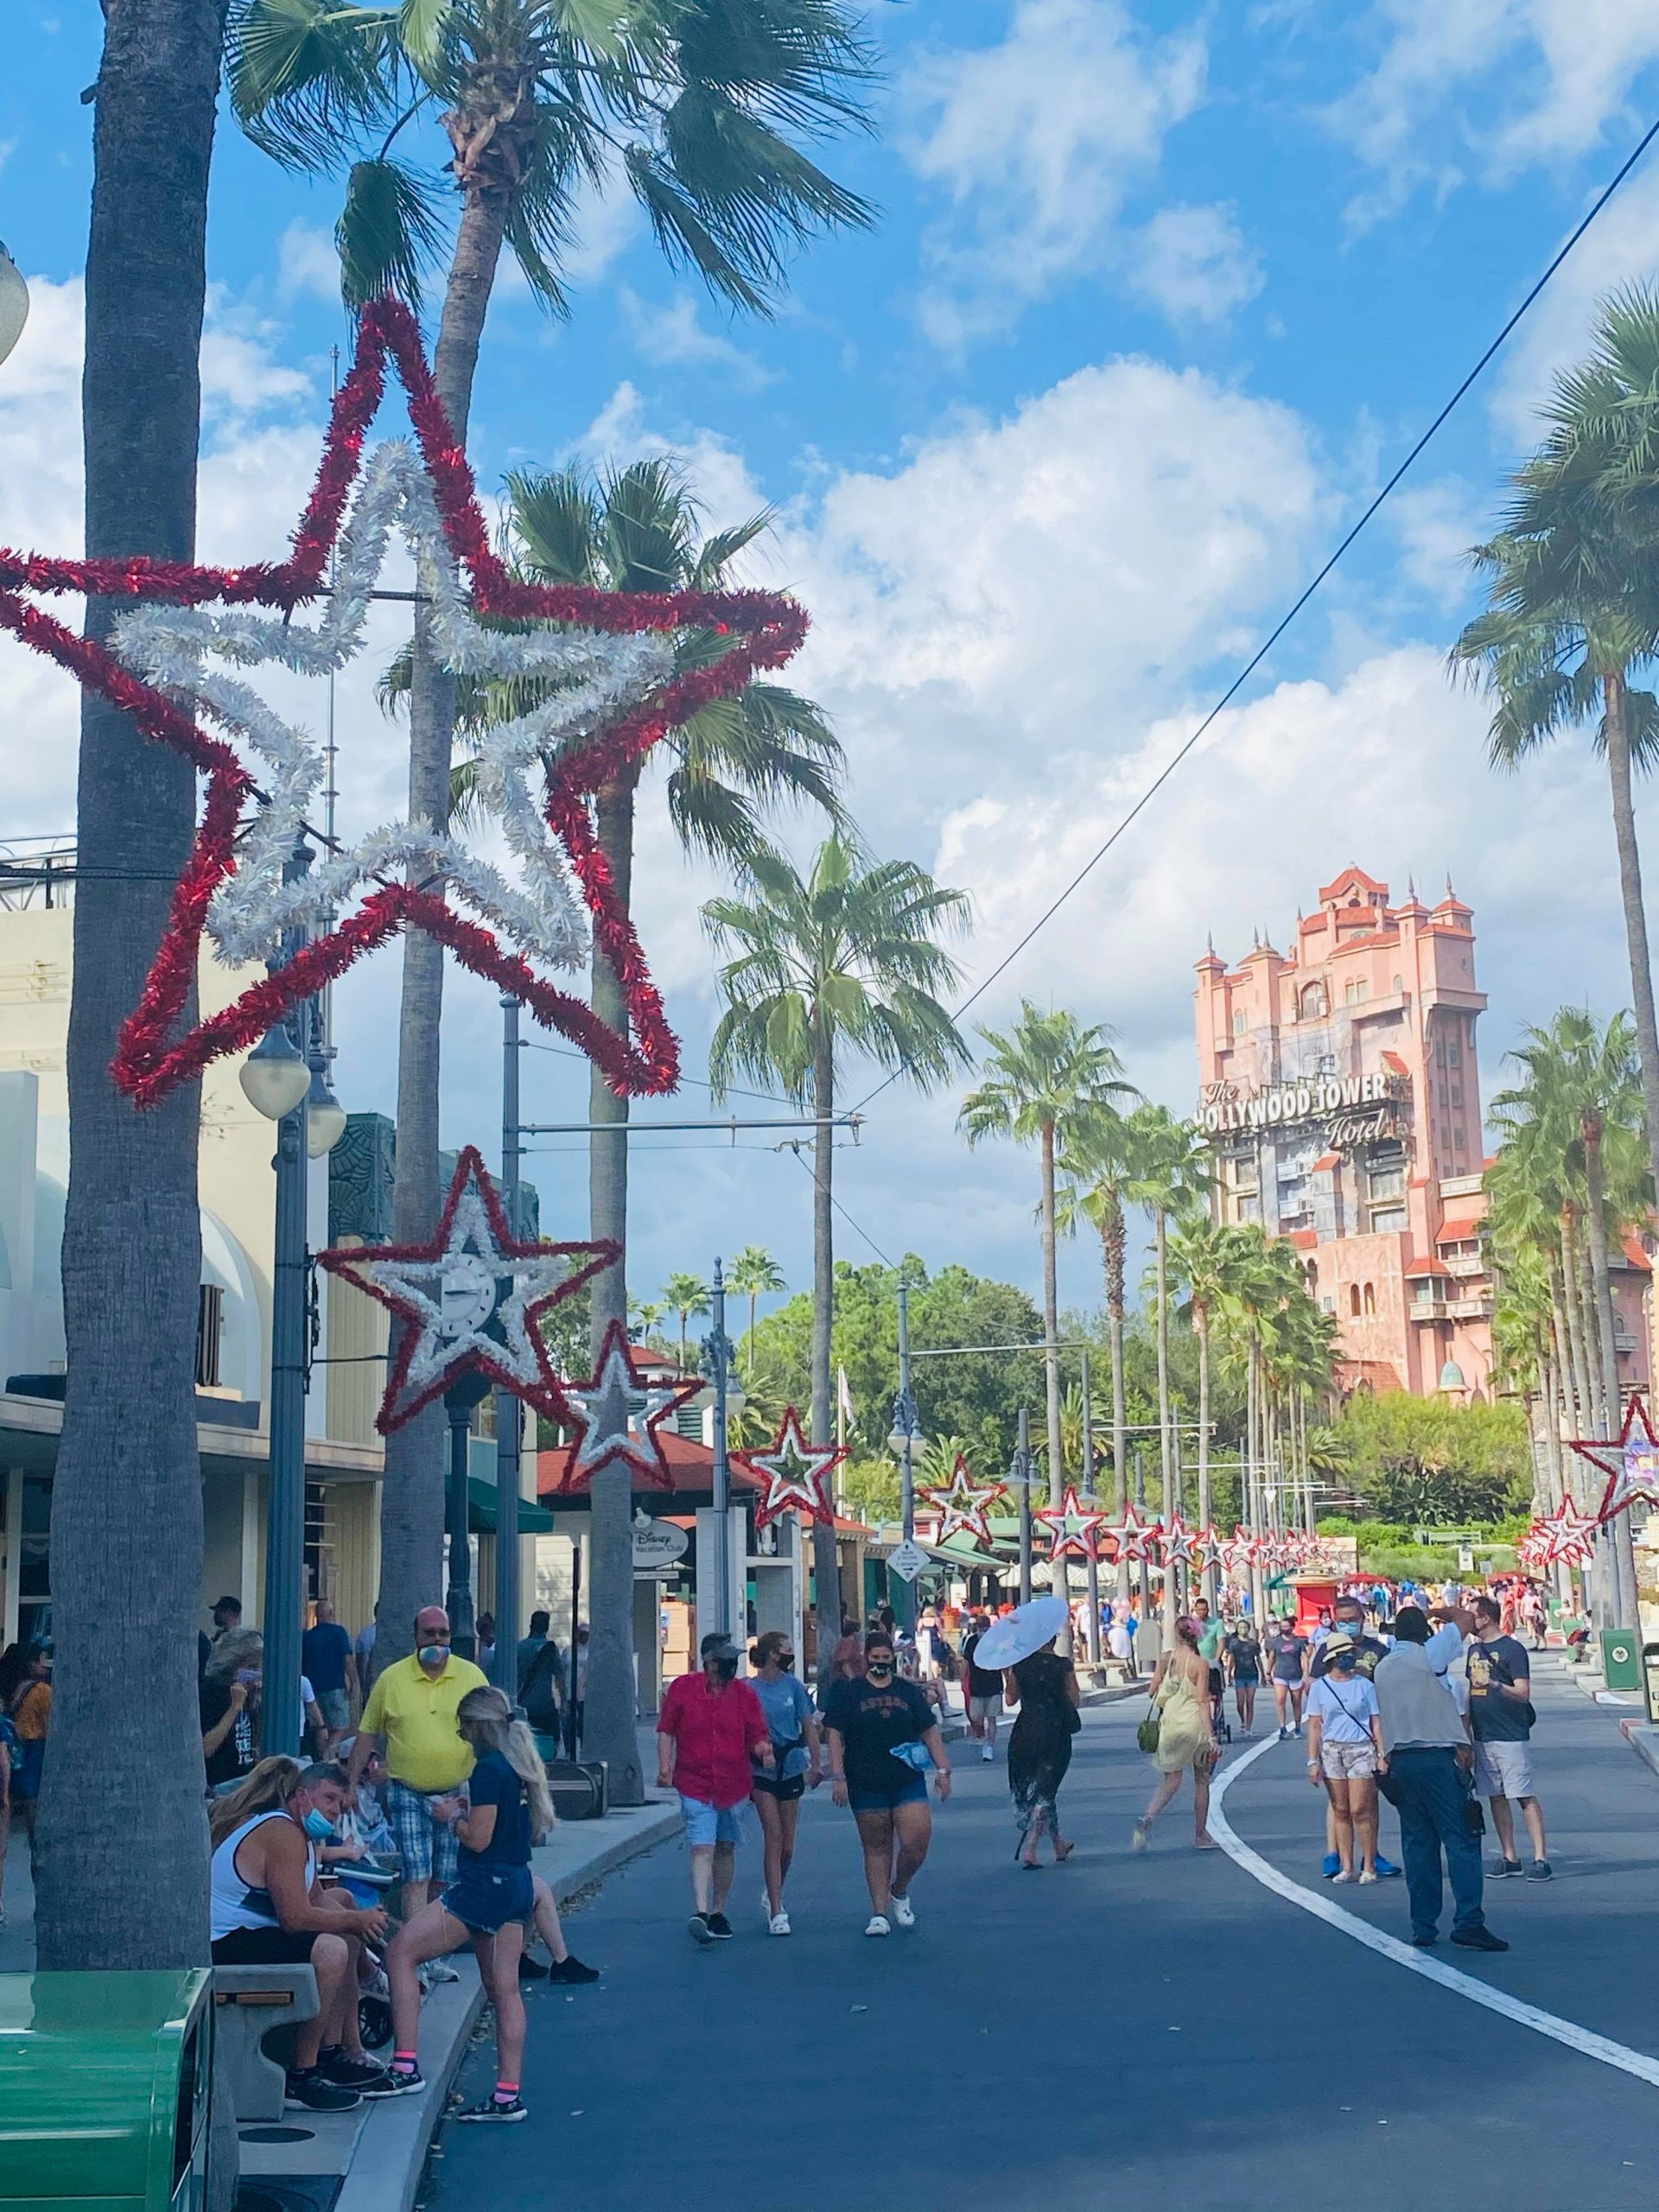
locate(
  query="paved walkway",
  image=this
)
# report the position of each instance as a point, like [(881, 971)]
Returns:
[(1163, 2029)]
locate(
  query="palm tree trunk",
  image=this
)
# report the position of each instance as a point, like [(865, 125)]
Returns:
[(1165, 1440), (1201, 1329), (1584, 1388), (1051, 1324), (1111, 1244), (609, 1716), (1624, 1544), (1615, 702), (412, 1492), (826, 1568), (122, 1881)]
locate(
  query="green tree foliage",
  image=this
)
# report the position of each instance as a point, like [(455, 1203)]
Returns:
[(1426, 1463)]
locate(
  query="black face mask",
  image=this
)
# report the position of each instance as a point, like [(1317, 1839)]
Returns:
[(785, 1662), (726, 1670), (880, 1669)]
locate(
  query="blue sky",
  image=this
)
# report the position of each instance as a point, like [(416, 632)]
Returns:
[(1157, 295)]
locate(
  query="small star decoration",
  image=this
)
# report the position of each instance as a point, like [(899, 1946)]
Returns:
[(619, 1412), (1629, 1460), (962, 1505), (1132, 1537), (795, 1474), (471, 1300), (1564, 1534), (1178, 1543), (1073, 1528)]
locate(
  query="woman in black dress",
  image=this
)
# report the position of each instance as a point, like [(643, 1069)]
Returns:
[(1043, 1688)]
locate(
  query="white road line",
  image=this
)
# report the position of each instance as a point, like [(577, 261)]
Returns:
[(1583, 2040)]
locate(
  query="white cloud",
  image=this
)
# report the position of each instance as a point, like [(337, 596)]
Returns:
[(1036, 141), (307, 263), (1435, 524), (1488, 85), (605, 220), (1194, 264), (672, 334)]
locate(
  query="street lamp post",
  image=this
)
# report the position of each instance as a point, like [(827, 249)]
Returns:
[(903, 1439), (1088, 1486), (464, 1392), (291, 1087), (715, 1367), (509, 1412), (1019, 1475)]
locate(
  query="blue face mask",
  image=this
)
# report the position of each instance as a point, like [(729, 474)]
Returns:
[(434, 1654), (319, 1826)]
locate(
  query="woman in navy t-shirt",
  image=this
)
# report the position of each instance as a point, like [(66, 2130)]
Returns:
[(492, 1900)]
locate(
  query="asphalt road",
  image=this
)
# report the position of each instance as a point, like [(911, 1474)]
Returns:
[(1164, 2028)]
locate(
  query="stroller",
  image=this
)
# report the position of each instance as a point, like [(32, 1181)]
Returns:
[(1220, 1725)]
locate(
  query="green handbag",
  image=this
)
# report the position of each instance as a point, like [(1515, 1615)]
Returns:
[(1147, 1733)]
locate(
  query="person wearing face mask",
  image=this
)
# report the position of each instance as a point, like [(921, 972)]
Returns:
[(797, 1766), (1369, 1652), (412, 1707), (228, 1702), (882, 1733), (1344, 1751), (265, 1908), (709, 1729)]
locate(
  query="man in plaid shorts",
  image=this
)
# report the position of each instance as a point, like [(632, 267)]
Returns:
[(412, 1707)]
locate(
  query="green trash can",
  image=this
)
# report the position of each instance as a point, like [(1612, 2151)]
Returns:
[(1621, 1658), (103, 2088)]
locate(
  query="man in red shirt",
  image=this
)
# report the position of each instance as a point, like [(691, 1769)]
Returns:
[(709, 1726)]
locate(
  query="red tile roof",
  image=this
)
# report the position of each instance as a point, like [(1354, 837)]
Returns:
[(1393, 1060), (1379, 1375), (1458, 1231), (1637, 1256), (689, 1462), (1303, 1239), (1326, 1161), (1352, 876), (1426, 1268)]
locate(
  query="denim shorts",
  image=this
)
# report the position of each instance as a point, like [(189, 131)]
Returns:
[(907, 1787), (706, 1824), (484, 1899)]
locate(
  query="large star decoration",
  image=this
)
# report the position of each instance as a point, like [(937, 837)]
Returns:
[(794, 1474), (1178, 1542), (471, 1300), (963, 1505), (608, 710), (1207, 1548), (1566, 1534), (619, 1412), (1074, 1528), (1132, 1537), (1629, 1460)]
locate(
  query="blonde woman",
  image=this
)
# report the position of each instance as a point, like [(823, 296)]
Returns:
[(1187, 1737), (490, 1902)]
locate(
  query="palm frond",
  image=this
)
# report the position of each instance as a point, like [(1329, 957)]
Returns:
[(389, 230)]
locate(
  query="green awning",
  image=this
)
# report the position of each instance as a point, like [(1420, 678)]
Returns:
[(534, 1520)]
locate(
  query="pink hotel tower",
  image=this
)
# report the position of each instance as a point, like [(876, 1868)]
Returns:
[(1340, 1091)]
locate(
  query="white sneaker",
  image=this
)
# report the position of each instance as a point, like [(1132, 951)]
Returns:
[(988, 1752), (878, 1925), (779, 1924), (903, 1911)]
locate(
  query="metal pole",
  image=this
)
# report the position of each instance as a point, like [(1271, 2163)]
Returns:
[(905, 1611), (1088, 1486), (716, 1361), (458, 1598), (509, 1412), (281, 1719), (1022, 1476), (1145, 1578), (573, 1691)]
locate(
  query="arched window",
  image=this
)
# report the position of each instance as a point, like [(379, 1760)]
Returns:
[(1238, 1023), (1353, 1299), (1370, 1298), (1313, 1006)]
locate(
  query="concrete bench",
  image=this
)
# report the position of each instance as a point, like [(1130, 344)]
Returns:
[(253, 2004)]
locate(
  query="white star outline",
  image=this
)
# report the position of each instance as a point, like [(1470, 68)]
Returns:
[(795, 1473), (1630, 1461), (619, 1413), (962, 1505), (599, 674), (1075, 1529), (1132, 1537)]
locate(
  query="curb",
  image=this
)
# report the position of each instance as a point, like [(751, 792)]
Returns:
[(390, 2154), (1643, 1739)]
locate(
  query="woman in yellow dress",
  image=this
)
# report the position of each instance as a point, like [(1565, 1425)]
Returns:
[(1180, 1691)]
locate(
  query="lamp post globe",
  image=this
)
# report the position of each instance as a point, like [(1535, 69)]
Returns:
[(275, 1078), (325, 1117), (14, 303)]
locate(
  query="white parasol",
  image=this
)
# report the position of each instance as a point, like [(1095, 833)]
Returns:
[(1018, 1634)]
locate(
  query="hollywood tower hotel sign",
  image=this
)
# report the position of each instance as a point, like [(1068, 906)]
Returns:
[(1339, 1090)]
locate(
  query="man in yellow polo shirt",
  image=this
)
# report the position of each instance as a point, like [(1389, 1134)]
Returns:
[(412, 1706)]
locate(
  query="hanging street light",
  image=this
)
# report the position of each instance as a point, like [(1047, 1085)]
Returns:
[(14, 303)]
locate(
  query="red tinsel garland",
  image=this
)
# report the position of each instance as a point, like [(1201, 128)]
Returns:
[(767, 629)]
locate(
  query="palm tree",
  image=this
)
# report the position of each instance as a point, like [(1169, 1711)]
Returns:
[(123, 1881), (686, 1295), (1097, 1164), (1202, 1253), (699, 104), (1044, 1083), (638, 530), (1169, 1174), (754, 1274), (645, 1316), (847, 957), (1573, 611)]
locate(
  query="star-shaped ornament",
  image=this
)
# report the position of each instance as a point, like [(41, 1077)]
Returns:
[(794, 1474), (606, 687), (1207, 1548), (1073, 1528), (1178, 1543), (1629, 1460), (619, 1412), (1132, 1537), (471, 1300), (1564, 1534), (964, 1505)]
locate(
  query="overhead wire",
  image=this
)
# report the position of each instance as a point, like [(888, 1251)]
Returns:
[(1297, 605)]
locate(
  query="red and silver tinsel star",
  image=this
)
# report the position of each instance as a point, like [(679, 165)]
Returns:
[(1629, 1460), (963, 1505), (1073, 1528), (156, 1051), (1207, 1548), (1132, 1538), (619, 1412), (795, 1474), (473, 1300), (1177, 1543), (1566, 1534)]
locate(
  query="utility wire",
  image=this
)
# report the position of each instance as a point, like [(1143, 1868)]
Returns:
[(698, 1083), (856, 1227), (1297, 605)]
